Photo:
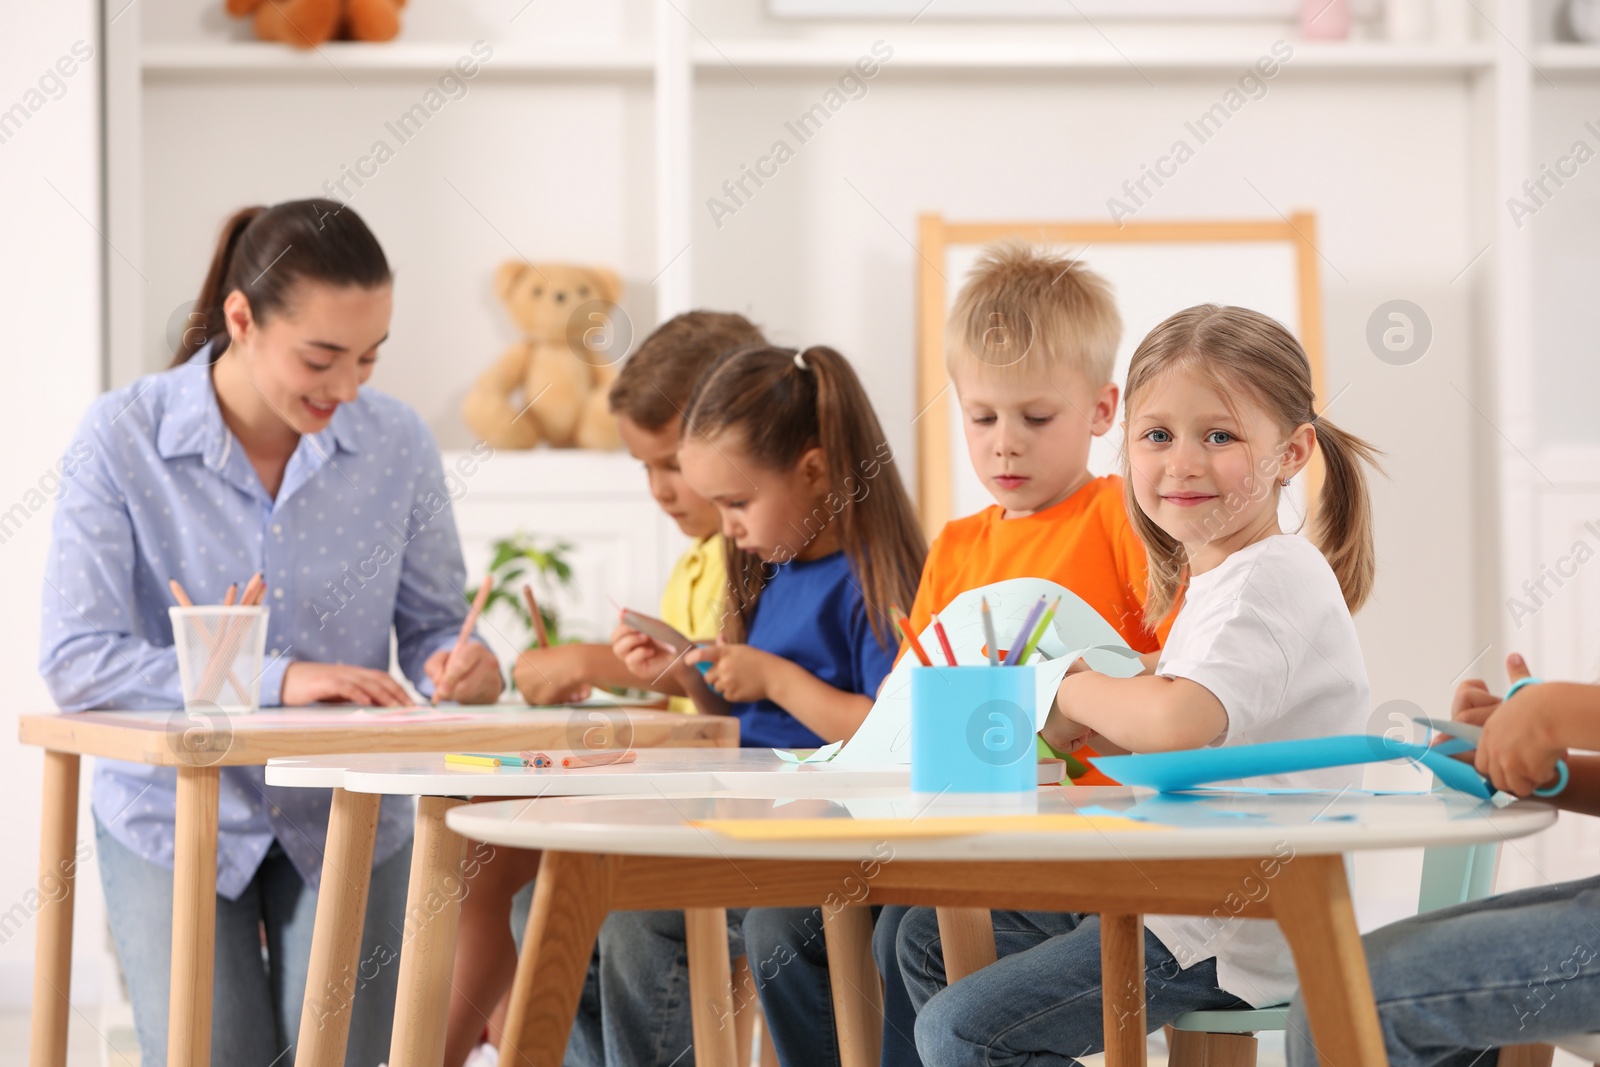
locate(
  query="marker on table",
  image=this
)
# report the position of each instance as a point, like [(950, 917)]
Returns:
[(988, 634), (944, 641), (538, 619), (1038, 633), (1014, 653), (471, 759), (466, 626), (904, 625)]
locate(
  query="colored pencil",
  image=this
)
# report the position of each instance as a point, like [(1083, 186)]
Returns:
[(471, 760), (231, 595), (988, 634), (601, 759), (466, 626), (1014, 653), (1038, 633), (538, 619), (536, 759), (178, 594), (904, 624), (944, 641)]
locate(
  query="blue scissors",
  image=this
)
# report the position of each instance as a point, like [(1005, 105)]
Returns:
[(1467, 737)]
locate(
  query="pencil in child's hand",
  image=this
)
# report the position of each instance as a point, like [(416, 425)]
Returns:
[(1014, 653), (944, 641), (1038, 633), (904, 625), (599, 759), (988, 634), (538, 619)]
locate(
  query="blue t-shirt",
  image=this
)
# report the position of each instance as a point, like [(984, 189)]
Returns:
[(811, 614)]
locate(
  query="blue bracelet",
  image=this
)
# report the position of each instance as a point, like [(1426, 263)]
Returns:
[(1511, 690)]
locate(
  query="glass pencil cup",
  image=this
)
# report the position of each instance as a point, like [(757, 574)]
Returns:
[(220, 656), (972, 730)]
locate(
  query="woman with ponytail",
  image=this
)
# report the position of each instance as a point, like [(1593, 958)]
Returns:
[(258, 452), (820, 540), (1219, 419)]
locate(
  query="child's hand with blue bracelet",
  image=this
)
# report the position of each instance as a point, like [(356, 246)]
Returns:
[(1521, 742), (738, 673)]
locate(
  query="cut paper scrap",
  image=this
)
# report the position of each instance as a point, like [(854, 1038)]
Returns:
[(1076, 631), (821, 755), (901, 829)]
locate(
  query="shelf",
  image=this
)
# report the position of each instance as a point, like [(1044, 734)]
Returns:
[(1567, 57), (830, 56), (254, 58)]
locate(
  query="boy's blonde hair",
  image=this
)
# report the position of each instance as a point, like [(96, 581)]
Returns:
[(1251, 355), (1023, 309)]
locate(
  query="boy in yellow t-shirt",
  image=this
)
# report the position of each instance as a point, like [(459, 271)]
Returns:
[(648, 399)]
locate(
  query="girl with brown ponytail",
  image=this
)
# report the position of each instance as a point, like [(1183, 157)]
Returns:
[(1219, 420), (821, 540), (260, 451)]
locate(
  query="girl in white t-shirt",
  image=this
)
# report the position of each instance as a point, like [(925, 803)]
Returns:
[(1219, 419)]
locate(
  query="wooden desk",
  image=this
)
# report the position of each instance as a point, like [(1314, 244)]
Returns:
[(425, 959), (198, 748), (1190, 857)]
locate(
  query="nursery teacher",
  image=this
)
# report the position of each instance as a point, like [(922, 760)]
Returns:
[(258, 451)]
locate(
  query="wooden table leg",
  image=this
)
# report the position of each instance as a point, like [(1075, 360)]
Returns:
[(194, 918), (52, 951), (857, 990), (428, 951), (966, 938), (710, 987), (1122, 989), (1310, 898), (336, 937), (571, 898)]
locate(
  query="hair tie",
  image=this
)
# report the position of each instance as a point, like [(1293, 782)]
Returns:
[(1313, 418), (800, 361)]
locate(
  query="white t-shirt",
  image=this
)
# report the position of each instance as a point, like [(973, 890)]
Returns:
[(1268, 633)]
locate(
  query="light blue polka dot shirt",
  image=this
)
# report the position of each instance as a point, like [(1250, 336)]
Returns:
[(360, 543)]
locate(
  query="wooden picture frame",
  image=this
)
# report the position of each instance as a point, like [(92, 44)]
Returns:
[(937, 236)]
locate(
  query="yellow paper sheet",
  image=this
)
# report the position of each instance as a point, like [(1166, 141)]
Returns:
[(932, 826)]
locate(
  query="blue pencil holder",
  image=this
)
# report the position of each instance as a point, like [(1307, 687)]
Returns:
[(972, 730)]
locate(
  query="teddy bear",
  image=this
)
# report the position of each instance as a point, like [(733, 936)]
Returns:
[(553, 385), (308, 23)]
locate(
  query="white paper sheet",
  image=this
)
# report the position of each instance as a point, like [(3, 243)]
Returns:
[(1077, 630)]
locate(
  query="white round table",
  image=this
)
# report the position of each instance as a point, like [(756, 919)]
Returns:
[(1119, 852)]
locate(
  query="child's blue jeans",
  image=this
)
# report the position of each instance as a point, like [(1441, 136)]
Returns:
[(1513, 969), (635, 1009), (1039, 1003), (256, 996)]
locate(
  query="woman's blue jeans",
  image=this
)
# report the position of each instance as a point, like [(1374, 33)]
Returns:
[(258, 987)]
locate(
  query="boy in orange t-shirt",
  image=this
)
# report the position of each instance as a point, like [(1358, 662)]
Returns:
[(1030, 347)]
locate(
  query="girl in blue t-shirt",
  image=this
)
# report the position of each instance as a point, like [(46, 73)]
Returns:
[(821, 540), (820, 537)]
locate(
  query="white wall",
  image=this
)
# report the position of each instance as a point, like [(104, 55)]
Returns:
[(50, 334)]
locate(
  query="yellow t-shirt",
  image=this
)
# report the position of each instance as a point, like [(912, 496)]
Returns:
[(691, 601)]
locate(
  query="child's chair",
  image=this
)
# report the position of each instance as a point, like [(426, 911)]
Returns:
[(1450, 875)]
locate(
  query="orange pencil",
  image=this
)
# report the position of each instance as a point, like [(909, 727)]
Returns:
[(538, 619), (904, 624), (600, 759), (467, 624), (232, 594), (178, 594)]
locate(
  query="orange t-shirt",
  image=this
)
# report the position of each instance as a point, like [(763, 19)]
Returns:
[(1085, 543)]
